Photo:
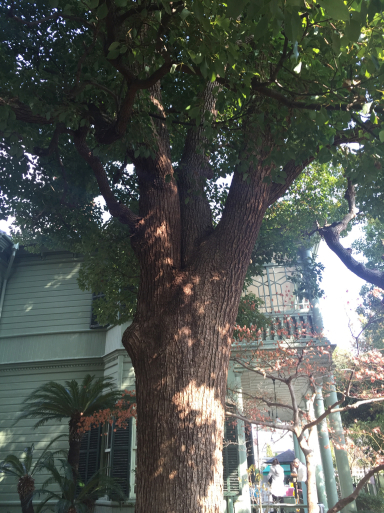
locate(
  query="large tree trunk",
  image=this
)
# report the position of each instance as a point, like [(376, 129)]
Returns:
[(181, 368), (180, 431)]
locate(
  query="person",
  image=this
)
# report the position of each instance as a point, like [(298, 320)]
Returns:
[(276, 480), (300, 469), (299, 475)]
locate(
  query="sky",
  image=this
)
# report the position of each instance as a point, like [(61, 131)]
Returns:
[(341, 289), (341, 296)]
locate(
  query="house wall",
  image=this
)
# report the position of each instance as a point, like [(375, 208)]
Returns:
[(45, 335)]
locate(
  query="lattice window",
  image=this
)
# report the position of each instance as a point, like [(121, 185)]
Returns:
[(277, 291)]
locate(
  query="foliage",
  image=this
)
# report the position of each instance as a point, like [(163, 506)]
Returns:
[(119, 414), (371, 312), (24, 469), (67, 498), (249, 318), (366, 502), (76, 401), (53, 401), (294, 358), (256, 51)]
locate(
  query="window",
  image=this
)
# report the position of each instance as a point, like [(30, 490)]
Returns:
[(117, 454), (231, 458), (89, 462), (94, 324), (120, 456)]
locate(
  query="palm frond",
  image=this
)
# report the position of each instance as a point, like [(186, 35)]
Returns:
[(48, 454), (42, 506), (12, 465), (54, 401), (101, 484), (28, 451)]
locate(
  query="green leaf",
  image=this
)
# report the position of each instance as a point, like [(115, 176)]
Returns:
[(353, 30), (235, 7), (375, 61), (114, 45), (93, 4), (204, 68), (324, 155), (336, 9), (198, 10), (261, 27), (366, 108), (381, 136), (53, 3), (336, 42), (113, 54), (184, 13), (102, 11), (158, 16), (292, 25), (121, 3)]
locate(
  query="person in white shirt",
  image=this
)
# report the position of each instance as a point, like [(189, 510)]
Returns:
[(301, 470), (276, 479)]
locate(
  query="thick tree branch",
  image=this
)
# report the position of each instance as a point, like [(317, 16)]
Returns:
[(344, 107), (347, 500), (53, 145), (23, 112), (116, 209), (292, 171), (331, 235), (194, 169)]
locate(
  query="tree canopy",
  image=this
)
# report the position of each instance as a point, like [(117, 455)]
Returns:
[(79, 102)]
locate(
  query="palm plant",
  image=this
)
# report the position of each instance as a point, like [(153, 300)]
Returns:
[(24, 470), (68, 498), (53, 401)]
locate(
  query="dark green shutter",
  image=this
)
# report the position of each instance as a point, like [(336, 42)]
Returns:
[(94, 324), (121, 456), (231, 458), (89, 461)]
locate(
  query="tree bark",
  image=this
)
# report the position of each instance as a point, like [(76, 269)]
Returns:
[(181, 378), (26, 503), (74, 444), (25, 489), (180, 343)]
